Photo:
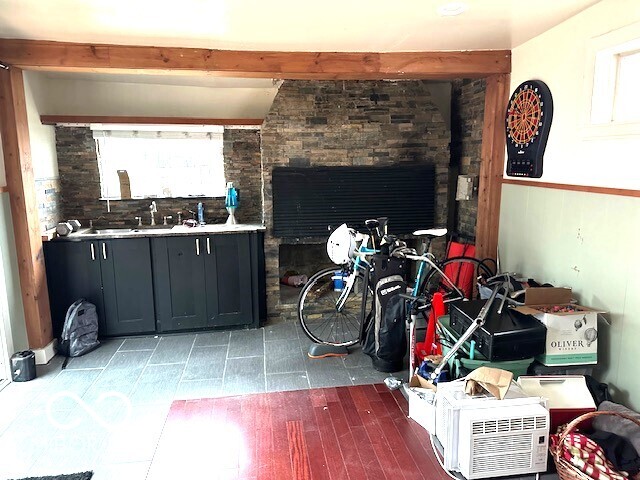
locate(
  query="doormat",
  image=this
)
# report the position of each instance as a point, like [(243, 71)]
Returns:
[(71, 476)]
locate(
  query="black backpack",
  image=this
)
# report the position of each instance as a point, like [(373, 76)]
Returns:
[(385, 338), (80, 330)]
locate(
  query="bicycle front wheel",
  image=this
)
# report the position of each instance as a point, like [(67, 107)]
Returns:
[(457, 279), (320, 316)]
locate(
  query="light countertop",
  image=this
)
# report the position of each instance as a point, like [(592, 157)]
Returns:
[(104, 233)]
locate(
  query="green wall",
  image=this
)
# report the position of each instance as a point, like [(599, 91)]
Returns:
[(590, 242), (11, 279)]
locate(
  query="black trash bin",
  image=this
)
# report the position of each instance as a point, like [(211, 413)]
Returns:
[(23, 366)]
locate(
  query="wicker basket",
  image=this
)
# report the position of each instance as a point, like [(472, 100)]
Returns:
[(566, 471)]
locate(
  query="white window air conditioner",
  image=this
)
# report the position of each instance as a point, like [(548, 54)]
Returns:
[(503, 441), (451, 402)]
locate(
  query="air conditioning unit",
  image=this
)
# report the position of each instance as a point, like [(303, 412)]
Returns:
[(451, 401), (503, 441)]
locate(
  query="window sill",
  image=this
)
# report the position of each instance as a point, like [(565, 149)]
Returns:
[(118, 199)]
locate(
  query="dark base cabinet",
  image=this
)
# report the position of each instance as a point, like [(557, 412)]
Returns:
[(207, 281), (73, 272), (127, 286), (162, 284), (115, 275)]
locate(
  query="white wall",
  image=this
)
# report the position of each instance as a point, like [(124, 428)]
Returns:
[(42, 138), (560, 58), (86, 97), (583, 240)]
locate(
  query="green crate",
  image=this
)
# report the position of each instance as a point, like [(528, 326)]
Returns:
[(462, 360)]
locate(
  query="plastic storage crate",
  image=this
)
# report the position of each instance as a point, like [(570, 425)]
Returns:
[(461, 362)]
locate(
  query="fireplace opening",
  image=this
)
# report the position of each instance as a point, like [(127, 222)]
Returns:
[(300, 259)]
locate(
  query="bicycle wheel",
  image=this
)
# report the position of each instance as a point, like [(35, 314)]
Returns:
[(318, 312), (461, 272)]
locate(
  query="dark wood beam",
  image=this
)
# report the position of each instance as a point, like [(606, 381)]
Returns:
[(87, 119), (24, 208), (492, 166), (35, 54)]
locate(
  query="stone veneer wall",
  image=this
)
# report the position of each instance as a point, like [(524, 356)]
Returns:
[(80, 183), (466, 132), (48, 198), (343, 123)]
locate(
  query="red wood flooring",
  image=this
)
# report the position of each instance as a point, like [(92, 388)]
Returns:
[(343, 433)]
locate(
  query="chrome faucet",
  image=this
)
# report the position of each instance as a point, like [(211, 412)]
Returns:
[(153, 210)]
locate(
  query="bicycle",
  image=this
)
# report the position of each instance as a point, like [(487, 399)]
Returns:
[(333, 304)]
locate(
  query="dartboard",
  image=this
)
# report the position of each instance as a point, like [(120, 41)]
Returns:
[(528, 120)]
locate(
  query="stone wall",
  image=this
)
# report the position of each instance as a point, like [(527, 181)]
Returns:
[(466, 140), (48, 198), (242, 166), (80, 183), (344, 123)]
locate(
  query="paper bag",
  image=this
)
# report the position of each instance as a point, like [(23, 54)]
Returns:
[(418, 381), (493, 380)]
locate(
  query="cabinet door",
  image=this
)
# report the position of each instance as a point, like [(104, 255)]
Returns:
[(228, 270), (127, 286), (179, 282), (73, 272)]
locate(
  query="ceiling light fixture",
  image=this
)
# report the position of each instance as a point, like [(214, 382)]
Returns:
[(451, 9)]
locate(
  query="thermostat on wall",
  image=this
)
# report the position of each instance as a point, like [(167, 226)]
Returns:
[(466, 187)]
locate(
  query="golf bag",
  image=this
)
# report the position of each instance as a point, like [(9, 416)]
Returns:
[(385, 336)]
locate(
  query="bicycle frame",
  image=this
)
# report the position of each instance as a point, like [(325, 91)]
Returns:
[(360, 263), (426, 259)]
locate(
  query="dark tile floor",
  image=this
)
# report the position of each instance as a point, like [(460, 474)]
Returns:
[(105, 412)]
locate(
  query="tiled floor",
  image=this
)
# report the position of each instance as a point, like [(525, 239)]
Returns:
[(106, 411), (112, 410)]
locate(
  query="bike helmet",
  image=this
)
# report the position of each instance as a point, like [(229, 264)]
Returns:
[(341, 245)]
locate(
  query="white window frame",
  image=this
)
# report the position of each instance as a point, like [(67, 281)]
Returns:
[(162, 131), (603, 54)]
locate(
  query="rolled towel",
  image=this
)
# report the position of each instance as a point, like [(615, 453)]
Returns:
[(294, 280)]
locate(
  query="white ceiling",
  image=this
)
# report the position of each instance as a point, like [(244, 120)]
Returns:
[(287, 25)]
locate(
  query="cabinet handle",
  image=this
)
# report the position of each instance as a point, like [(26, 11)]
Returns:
[(208, 246), (93, 252), (104, 251), (197, 246)]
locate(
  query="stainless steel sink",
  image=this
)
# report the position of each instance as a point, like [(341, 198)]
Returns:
[(159, 229), (109, 231)]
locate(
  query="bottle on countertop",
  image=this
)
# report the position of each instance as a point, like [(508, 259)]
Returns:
[(200, 213)]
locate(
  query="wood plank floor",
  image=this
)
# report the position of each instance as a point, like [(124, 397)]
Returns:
[(342, 433)]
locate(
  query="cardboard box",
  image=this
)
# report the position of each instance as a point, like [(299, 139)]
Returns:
[(422, 407), (572, 336), (537, 295), (547, 295), (567, 395)]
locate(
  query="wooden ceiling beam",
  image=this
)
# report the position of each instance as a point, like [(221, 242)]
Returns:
[(44, 55), (88, 119)]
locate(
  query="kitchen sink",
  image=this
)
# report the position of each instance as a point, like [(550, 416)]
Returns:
[(128, 230), (109, 231)]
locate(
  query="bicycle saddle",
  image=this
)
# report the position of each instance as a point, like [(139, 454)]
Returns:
[(431, 232), (371, 224)]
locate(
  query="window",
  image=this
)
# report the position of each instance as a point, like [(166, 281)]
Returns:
[(614, 101), (626, 104), (152, 163)]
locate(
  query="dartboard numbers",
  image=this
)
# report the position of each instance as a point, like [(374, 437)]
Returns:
[(528, 120)]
